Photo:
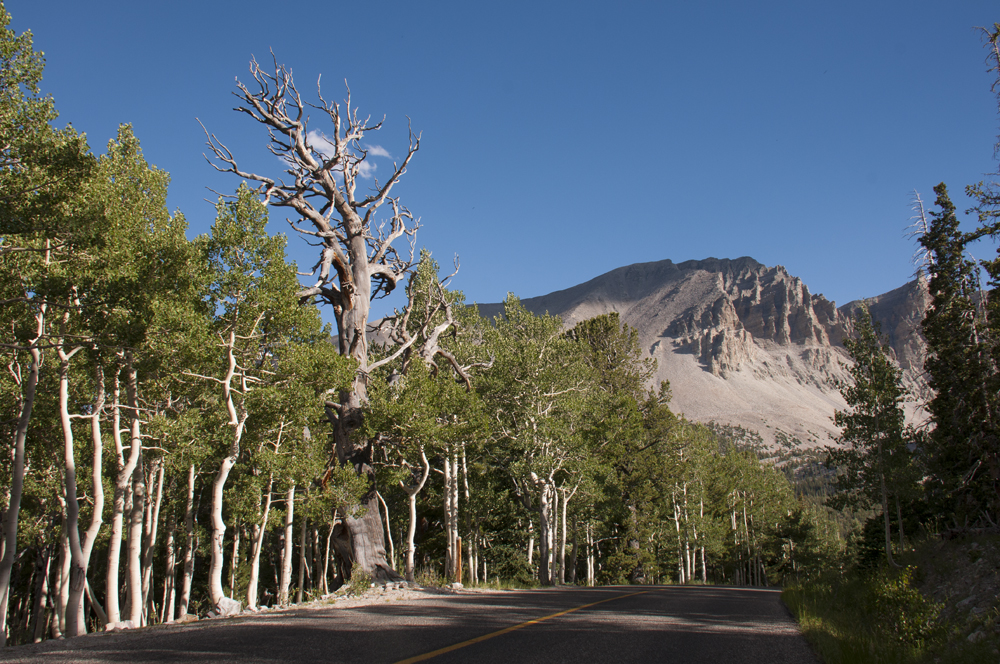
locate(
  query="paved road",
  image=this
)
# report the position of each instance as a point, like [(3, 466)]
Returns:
[(613, 624)]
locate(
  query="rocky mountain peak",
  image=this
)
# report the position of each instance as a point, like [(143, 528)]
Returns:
[(742, 342)]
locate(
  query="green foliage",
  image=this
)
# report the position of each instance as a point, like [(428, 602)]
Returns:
[(878, 616)]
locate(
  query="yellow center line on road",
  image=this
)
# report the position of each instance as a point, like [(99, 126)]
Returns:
[(441, 651)]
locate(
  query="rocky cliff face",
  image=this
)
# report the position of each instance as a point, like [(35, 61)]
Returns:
[(741, 342)]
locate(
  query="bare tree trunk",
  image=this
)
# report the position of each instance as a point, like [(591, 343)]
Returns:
[(531, 541), (554, 538), (258, 534), (79, 550), (388, 531), (123, 480), (170, 572), (576, 552), (590, 557), (215, 590), (544, 528), (326, 560), (149, 538), (189, 547), (286, 555), (237, 420), (134, 585), (11, 514), (473, 571), (449, 554), (411, 492), (562, 541), (62, 586)]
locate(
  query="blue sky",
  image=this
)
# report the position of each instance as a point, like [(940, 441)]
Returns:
[(565, 139)]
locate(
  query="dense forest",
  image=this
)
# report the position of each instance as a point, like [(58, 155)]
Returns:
[(183, 434)]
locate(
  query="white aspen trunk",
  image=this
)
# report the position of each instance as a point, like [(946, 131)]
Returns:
[(576, 552), (286, 554), (237, 421), (471, 546), (554, 539), (680, 550), (388, 531), (545, 529), (531, 541), (449, 564), (123, 480), (689, 564), (149, 539), (62, 587), (457, 550), (326, 560), (701, 516), (215, 591), (411, 531), (234, 562), (170, 574), (80, 551), (11, 514), (258, 533), (590, 557), (302, 560), (74, 623), (562, 541), (134, 551), (189, 547)]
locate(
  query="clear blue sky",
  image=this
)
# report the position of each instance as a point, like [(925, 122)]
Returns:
[(565, 139)]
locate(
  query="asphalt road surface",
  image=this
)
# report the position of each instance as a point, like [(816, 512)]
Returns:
[(611, 624)]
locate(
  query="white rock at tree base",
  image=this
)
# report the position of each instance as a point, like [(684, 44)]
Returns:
[(226, 607), (118, 626)]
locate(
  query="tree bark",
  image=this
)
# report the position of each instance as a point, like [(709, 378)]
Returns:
[(170, 572), (237, 420), (149, 538), (388, 531), (134, 551), (286, 555), (234, 561), (544, 576), (75, 623), (258, 534), (189, 547), (411, 493), (123, 480), (62, 584), (11, 514)]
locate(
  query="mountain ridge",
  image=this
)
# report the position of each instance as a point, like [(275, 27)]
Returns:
[(743, 343)]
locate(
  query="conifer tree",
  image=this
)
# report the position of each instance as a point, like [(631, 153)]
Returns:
[(963, 448), (875, 456)]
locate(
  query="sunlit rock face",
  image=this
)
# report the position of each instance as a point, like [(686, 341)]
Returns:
[(743, 343)]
